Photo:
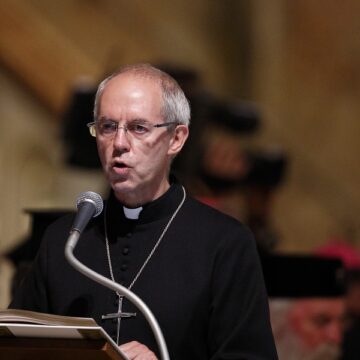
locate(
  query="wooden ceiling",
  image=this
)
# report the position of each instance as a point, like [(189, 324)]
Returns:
[(39, 53), (48, 45)]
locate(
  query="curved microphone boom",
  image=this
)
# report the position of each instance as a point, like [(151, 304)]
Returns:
[(89, 205)]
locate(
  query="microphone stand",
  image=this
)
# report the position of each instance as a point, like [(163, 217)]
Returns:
[(129, 295)]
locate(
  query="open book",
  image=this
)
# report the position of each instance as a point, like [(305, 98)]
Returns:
[(32, 335), (32, 317)]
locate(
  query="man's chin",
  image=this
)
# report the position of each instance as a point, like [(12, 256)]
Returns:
[(290, 347), (325, 352), (122, 187)]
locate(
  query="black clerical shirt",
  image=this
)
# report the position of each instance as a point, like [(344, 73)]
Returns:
[(204, 282)]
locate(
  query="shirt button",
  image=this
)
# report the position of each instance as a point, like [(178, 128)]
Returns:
[(123, 267), (125, 250)]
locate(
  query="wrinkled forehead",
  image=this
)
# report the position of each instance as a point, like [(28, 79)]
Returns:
[(124, 83), (128, 92), (314, 306)]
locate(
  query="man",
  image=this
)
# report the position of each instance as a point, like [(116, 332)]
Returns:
[(309, 328), (195, 268)]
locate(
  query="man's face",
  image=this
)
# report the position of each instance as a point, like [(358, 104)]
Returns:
[(136, 167), (318, 321)]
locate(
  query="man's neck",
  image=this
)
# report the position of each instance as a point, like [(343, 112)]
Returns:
[(133, 200)]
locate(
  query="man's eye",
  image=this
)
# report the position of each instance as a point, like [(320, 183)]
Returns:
[(138, 128), (108, 127)]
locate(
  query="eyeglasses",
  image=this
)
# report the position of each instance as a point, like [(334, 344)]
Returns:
[(108, 128)]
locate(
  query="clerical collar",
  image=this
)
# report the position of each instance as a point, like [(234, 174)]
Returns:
[(132, 214), (155, 210)]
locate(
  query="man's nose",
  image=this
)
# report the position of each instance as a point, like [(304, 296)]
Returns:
[(334, 333), (121, 138)]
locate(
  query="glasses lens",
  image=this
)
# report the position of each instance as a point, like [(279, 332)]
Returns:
[(138, 129), (107, 127)]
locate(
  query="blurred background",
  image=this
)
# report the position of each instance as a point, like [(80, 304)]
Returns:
[(274, 88)]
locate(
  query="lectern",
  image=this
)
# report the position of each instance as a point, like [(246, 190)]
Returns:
[(26, 335)]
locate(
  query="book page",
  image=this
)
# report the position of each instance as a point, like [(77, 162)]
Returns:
[(32, 317), (41, 331)]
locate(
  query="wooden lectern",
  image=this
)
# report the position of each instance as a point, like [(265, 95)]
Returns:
[(26, 335), (56, 349)]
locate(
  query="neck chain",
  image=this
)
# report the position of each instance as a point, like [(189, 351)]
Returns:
[(120, 314)]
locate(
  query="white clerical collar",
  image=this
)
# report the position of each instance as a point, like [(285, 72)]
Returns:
[(132, 214)]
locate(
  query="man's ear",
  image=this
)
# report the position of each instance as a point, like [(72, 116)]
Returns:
[(178, 139)]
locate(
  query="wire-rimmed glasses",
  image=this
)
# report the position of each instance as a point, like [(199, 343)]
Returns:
[(138, 129)]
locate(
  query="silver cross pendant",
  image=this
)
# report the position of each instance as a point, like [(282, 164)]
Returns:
[(119, 315)]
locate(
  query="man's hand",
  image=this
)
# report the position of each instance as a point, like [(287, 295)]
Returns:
[(136, 351)]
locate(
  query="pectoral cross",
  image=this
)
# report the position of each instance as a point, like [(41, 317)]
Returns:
[(119, 315)]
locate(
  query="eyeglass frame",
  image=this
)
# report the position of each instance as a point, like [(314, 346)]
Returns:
[(92, 127)]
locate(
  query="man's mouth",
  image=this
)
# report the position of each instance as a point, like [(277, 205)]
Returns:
[(120, 168), (120, 165)]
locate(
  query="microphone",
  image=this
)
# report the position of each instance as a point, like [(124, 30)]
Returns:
[(89, 204)]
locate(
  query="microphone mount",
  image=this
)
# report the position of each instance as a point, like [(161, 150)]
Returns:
[(102, 280)]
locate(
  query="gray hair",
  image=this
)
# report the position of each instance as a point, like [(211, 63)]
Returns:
[(176, 107)]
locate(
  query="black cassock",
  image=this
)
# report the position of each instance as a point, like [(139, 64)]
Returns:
[(203, 283)]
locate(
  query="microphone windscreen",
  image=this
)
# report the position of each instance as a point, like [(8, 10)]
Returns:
[(92, 197)]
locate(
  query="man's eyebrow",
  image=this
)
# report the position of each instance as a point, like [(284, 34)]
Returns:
[(135, 120), (139, 121), (105, 118)]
